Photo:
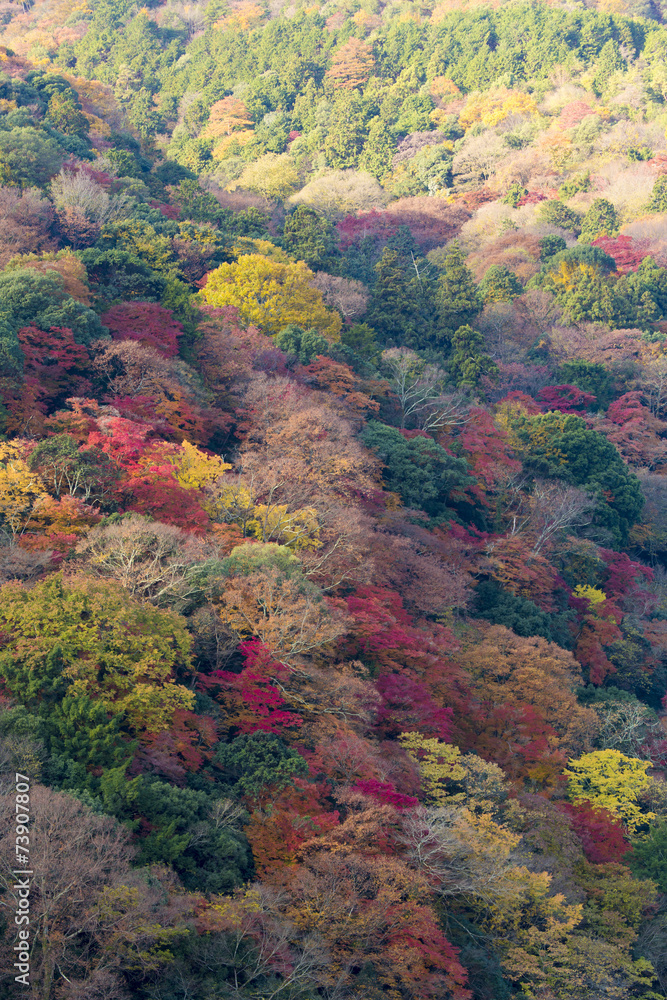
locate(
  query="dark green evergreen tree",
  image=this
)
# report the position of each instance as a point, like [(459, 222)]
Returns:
[(658, 199), (551, 245), (457, 295), (310, 237), (555, 213), (303, 344), (401, 307), (418, 469), (568, 449), (588, 376), (600, 220), (521, 615), (83, 740), (500, 285), (28, 297), (515, 193), (468, 362), (65, 115), (260, 760), (360, 338), (641, 295), (649, 855)]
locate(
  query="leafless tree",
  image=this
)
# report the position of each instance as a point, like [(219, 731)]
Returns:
[(153, 561), (653, 538), (547, 510), (130, 368), (456, 856), (350, 297), (652, 944), (78, 190), (625, 726), (653, 382), (26, 223), (478, 157), (19, 564), (74, 855), (191, 15), (101, 984), (213, 642), (414, 143), (555, 508), (420, 390)]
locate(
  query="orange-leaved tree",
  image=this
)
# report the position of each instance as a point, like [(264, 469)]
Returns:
[(267, 596), (351, 65)]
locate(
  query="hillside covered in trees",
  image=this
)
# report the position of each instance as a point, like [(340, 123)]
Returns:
[(333, 498)]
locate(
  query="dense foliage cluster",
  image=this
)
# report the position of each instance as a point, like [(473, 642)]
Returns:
[(333, 498)]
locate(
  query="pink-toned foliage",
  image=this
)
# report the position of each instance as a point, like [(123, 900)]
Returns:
[(258, 702), (146, 322), (565, 398), (601, 836)]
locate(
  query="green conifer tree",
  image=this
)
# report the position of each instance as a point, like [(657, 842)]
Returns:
[(346, 133), (500, 285), (401, 307), (310, 237), (458, 298), (66, 115), (658, 199), (610, 61), (378, 150), (469, 363), (600, 220)]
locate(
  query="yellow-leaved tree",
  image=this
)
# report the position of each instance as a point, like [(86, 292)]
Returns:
[(272, 295), (89, 639), (298, 529), (19, 489), (593, 595), (610, 780), (494, 106), (273, 175), (195, 470), (455, 839), (439, 764)]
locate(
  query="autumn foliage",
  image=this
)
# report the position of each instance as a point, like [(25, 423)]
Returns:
[(333, 423)]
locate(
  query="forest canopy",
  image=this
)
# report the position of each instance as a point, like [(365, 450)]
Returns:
[(333, 498)]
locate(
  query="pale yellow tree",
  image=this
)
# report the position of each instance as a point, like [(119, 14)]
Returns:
[(273, 175), (271, 295), (439, 764), (341, 192)]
